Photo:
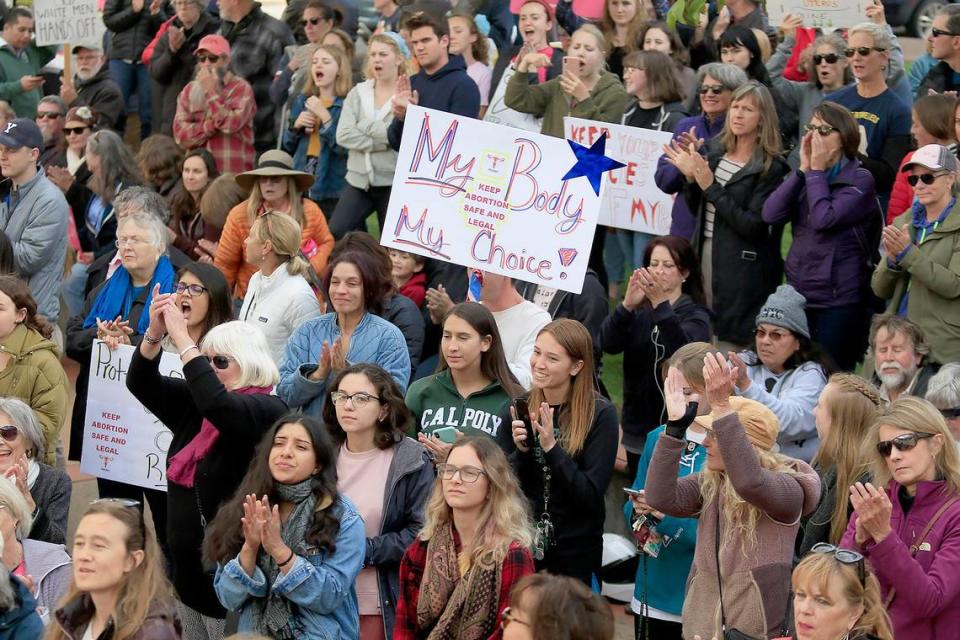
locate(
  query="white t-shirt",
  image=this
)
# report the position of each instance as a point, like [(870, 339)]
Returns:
[(519, 326)]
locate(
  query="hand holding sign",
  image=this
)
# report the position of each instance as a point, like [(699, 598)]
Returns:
[(876, 13)]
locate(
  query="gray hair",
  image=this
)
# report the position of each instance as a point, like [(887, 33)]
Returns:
[(730, 76), (151, 223), (13, 501), (943, 390), (881, 38), (24, 419), (142, 200), (55, 101)]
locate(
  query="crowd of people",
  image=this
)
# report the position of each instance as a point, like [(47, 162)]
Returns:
[(369, 444)]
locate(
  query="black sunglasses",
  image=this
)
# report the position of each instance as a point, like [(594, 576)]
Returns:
[(823, 129), (9, 432), (904, 442), (127, 503), (194, 289), (204, 58), (830, 58), (313, 22), (220, 362), (48, 115), (953, 412), (925, 178), (863, 51), (936, 33), (76, 130), (715, 89), (844, 556)]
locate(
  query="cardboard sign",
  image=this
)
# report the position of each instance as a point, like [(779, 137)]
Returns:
[(631, 199), (122, 440), (493, 198), (78, 22), (827, 15), (499, 113)]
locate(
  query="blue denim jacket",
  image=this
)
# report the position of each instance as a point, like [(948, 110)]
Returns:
[(330, 168), (374, 340), (319, 587)]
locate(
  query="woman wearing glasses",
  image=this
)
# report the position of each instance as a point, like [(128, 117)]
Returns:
[(119, 587), (920, 275), (386, 475), (832, 205), (907, 524), (836, 597), (289, 545), (279, 298), (203, 297), (456, 577), (218, 413)]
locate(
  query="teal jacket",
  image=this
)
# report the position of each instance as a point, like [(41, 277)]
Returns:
[(436, 403), (664, 578), (14, 66)]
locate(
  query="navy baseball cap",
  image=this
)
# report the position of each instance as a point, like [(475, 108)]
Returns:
[(21, 132)]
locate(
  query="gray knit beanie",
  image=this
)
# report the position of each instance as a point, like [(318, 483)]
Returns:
[(785, 308)]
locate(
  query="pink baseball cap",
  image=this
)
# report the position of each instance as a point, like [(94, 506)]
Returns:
[(934, 157), (217, 45)]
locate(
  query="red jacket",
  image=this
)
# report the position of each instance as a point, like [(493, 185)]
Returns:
[(415, 288)]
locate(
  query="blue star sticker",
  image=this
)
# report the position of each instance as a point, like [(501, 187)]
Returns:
[(591, 162)]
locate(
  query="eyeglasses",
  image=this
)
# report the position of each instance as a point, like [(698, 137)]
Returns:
[(467, 474), (507, 617), (203, 58), (925, 178), (220, 361), (715, 89), (830, 58), (953, 412), (74, 130), (48, 115), (194, 289), (127, 503), (844, 556), (359, 399), (120, 242), (311, 21), (863, 51), (776, 336), (936, 33), (9, 432), (905, 442), (823, 129)]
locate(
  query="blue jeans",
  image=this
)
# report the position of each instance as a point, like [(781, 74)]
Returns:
[(633, 244), (613, 258), (134, 78), (73, 286)]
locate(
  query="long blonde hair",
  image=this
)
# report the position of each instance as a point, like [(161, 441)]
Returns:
[(284, 234), (255, 201), (822, 569), (403, 63), (853, 406), (146, 583), (917, 415), (344, 80), (768, 129), (505, 517)]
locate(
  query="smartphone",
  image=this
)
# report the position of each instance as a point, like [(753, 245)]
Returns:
[(633, 492), (446, 434), (573, 63), (523, 413)]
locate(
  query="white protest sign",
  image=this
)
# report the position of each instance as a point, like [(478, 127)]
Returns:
[(631, 198), (122, 440), (828, 15), (61, 21), (493, 198), (499, 113)]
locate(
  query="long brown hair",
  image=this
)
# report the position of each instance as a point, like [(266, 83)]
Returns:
[(344, 80), (493, 361), (853, 406), (561, 607), (768, 129), (576, 416), (145, 584), (17, 290), (609, 28)]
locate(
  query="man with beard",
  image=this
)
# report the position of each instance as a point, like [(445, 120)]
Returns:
[(94, 87), (900, 352), (51, 116)]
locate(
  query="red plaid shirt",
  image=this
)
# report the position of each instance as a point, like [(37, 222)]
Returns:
[(517, 564), (224, 125)]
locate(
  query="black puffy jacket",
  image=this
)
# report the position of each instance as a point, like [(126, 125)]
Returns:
[(131, 31)]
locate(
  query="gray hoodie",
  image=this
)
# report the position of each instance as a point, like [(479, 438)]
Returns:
[(34, 217)]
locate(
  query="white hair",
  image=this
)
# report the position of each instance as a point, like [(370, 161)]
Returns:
[(943, 390), (246, 344), (151, 223), (881, 39), (23, 418), (13, 501)]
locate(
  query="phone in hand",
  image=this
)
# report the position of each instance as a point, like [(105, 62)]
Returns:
[(573, 63), (523, 413), (633, 492), (446, 434)]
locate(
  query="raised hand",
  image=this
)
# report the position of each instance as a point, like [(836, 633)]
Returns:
[(653, 286), (634, 295), (675, 400), (743, 380), (790, 25), (873, 509), (719, 378), (252, 530), (542, 422)]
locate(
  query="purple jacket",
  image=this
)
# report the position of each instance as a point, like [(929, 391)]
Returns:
[(926, 605), (826, 261), (670, 180)]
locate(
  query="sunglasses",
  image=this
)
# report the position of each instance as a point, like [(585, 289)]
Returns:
[(906, 442), (311, 21), (925, 178), (776, 336), (953, 412), (194, 289), (220, 362), (830, 58), (48, 115), (843, 556), (9, 432), (936, 33), (715, 89), (74, 130), (823, 129), (204, 58), (127, 503), (863, 51)]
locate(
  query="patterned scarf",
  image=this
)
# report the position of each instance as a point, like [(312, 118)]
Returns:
[(455, 607), (272, 615)]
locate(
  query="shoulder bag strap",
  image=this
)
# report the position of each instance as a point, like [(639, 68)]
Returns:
[(723, 615)]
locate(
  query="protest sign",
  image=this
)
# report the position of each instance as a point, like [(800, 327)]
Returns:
[(631, 199), (494, 198), (499, 113), (122, 440), (77, 22), (828, 15)]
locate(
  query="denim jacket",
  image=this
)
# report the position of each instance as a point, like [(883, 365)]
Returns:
[(320, 587), (329, 169), (374, 340)]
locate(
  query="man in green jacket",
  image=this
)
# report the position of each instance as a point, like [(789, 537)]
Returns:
[(21, 84)]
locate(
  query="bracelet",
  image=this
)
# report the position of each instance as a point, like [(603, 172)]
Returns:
[(193, 346), (285, 562), (151, 340)]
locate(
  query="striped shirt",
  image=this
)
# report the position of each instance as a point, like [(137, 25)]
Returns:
[(725, 170)]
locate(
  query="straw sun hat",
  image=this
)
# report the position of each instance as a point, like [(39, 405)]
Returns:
[(275, 163)]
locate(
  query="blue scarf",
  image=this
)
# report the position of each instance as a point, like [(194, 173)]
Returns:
[(117, 297)]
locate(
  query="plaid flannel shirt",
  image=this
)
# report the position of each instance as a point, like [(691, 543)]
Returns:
[(224, 126)]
